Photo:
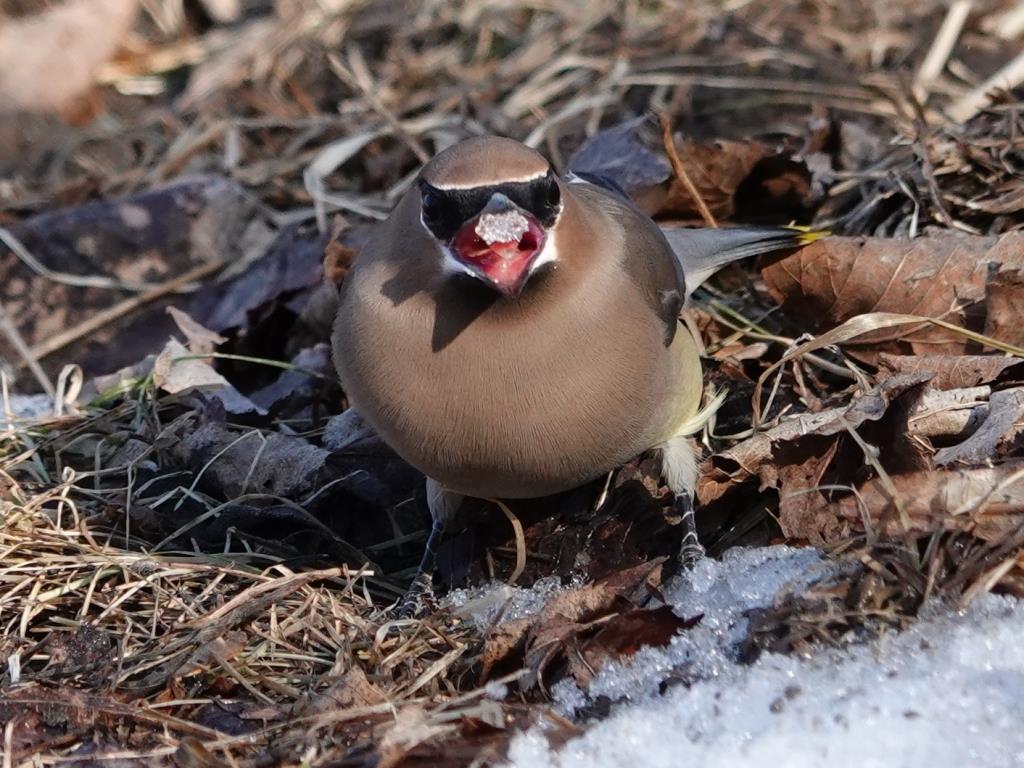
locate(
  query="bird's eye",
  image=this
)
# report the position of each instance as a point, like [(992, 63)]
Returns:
[(431, 203), (554, 193)]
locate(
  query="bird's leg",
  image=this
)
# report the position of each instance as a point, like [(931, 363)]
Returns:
[(691, 552), (443, 505), (679, 468)]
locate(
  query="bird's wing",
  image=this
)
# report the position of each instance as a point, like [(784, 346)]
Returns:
[(702, 252)]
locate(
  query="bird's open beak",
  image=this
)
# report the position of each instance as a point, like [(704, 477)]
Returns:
[(500, 245)]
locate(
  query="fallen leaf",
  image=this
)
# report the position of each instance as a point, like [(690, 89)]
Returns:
[(237, 463), (107, 252), (942, 276), (201, 341), (625, 634), (572, 617), (802, 435), (1005, 411), (176, 370), (987, 501), (954, 371), (744, 179)]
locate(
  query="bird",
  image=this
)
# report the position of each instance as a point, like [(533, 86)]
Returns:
[(514, 334)]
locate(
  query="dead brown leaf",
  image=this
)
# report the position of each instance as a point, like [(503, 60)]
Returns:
[(730, 176), (987, 501), (717, 169), (942, 276), (953, 371), (625, 634)]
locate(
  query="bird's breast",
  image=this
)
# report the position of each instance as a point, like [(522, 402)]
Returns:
[(521, 401)]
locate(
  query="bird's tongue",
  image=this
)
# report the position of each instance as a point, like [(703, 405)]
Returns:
[(502, 246)]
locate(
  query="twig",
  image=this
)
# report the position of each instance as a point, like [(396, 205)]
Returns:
[(942, 46), (66, 278), (680, 170), (1006, 78), (1006, 25), (28, 356), (517, 529), (350, 79), (121, 309)]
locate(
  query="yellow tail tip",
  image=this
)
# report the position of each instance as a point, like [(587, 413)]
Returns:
[(808, 235)]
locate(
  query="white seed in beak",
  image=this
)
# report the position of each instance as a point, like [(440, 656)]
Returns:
[(502, 227)]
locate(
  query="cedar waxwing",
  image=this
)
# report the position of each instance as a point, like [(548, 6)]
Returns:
[(513, 335)]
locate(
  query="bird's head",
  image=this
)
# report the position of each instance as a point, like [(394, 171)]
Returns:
[(491, 205)]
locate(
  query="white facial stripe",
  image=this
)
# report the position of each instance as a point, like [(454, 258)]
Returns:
[(492, 182)]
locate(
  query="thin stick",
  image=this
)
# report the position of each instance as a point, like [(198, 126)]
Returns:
[(680, 171), (366, 89), (121, 309), (1006, 78), (28, 356), (941, 48)]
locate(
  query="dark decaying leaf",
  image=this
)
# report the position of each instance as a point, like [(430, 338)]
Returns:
[(581, 629), (1005, 411), (759, 456), (623, 635), (737, 180), (145, 239)]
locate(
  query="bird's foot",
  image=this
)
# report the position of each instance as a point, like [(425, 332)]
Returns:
[(418, 600), (691, 552)]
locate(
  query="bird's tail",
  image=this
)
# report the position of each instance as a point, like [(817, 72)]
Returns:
[(702, 252)]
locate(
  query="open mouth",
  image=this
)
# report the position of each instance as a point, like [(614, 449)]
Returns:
[(500, 247)]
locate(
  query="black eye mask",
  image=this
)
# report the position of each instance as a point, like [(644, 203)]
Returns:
[(445, 210)]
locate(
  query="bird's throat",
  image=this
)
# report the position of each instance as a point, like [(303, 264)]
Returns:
[(505, 264)]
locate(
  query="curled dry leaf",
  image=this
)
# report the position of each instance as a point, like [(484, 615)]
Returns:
[(941, 276), (1004, 413), (201, 341)]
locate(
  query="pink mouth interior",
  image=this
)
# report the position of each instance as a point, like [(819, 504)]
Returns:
[(505, 264)]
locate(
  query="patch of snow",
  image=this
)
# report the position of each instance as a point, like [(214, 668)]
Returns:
[(482, 605), (25, 408), (946, 692), (722, 592), (502, 227)]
